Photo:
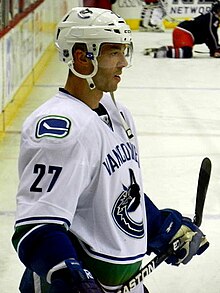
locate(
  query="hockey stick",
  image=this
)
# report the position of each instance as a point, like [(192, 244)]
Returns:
[(149, 51), (201, 52), (203, 182)]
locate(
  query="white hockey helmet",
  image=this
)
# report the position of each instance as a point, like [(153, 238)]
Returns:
[(93, 27)]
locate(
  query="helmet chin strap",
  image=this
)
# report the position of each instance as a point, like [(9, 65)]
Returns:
[(88, 77), (122, 119)]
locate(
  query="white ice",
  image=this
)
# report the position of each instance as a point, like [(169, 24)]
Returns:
[(176, 106)]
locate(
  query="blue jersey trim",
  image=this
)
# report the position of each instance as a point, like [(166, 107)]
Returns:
[(98, 255), (42, 220)]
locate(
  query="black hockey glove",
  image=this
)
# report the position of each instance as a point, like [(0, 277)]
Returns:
[(195, 243), (70, 277), (174, 227)]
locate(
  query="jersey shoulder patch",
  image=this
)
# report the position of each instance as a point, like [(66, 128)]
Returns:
[(53, 126)]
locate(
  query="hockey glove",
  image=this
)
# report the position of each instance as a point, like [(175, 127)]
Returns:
[(195, 243), (69, 277), (216, 54), (177, 227)]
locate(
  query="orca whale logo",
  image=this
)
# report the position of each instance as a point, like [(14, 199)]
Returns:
[(127, 202)]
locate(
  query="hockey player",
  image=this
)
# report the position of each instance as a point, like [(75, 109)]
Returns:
[(106, 4), (202, 29), (152, 15), (83, 222)]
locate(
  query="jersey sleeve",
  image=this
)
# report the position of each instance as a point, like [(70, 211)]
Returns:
[(48, 167), (41, 247), (212, 39)]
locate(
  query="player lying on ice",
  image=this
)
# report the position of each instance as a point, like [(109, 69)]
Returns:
[(81, 208), (203, 29)]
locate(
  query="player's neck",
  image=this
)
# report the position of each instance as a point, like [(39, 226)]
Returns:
[(79, 88)]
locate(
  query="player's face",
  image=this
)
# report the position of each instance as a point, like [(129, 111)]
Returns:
[(111, 61)]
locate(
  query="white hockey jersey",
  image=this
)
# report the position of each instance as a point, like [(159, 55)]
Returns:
[(77, 169)]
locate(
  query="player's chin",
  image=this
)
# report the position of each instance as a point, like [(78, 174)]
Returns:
[(111, 87), (114, 84)]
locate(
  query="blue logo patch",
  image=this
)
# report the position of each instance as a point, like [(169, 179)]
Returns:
[(55, 126)]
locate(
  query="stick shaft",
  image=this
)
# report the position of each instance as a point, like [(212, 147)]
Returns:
[(201, 52), (203, 182)]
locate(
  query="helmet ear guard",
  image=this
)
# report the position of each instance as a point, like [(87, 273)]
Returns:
[(92, 27), (87, 77)]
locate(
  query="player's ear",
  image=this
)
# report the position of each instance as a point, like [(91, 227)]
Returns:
[(79, 56), (82, 64)]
